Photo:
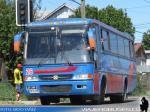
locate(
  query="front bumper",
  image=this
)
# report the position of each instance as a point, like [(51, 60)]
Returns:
[(59, 88)]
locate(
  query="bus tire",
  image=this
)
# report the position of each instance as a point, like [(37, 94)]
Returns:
[(99, 99), (120, 98), (77, 100), (44, 100), (123, 96)]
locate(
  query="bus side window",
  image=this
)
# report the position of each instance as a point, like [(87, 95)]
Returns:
[(127, 52), (131, 49), (113, 43), (104, 39), (121, 46)]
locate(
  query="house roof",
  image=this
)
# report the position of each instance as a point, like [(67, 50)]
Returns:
[(59, 8)]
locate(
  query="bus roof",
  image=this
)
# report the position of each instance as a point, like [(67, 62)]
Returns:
[(77, 21)]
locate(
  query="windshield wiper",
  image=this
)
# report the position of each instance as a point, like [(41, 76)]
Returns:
[(40, 62), (65, 57)]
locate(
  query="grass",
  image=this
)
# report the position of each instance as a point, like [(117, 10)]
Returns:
[(140, 88), (8, 93), (138, 92)]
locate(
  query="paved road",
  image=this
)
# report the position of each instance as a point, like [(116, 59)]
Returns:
[(132, 104)]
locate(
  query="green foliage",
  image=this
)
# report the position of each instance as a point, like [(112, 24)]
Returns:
[(140, 89), (117, 18), (8, 29), (8, 92), (111, 16), (146, 40)]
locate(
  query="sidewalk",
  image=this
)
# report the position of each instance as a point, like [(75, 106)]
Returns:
[(20, 103)]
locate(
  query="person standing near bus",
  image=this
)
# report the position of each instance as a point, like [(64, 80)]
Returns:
[(18, 81)]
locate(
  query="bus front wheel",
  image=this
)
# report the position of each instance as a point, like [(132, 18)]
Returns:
[(44, 100), (99, 99), (77, 100)]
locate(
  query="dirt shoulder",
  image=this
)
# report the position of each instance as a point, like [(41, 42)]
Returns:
[(20, 103)]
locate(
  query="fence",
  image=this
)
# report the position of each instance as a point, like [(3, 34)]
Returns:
[(146, 80)]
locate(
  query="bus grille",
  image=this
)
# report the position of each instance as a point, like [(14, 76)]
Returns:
[(56, 77), (56, 88)]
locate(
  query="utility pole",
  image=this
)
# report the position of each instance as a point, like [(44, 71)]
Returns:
[(82, 8)]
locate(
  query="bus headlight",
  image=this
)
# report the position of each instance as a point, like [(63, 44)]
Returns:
[(83, 76), (31, 78)]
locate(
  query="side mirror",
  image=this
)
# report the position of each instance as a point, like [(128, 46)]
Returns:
[(91, 38), (17, 41)]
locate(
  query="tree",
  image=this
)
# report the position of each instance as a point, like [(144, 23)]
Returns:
[(8, 29), (146, 40), (36, 8), (117, 18), (111, 16)]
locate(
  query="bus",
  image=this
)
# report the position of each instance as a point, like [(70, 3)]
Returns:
[(80, 59)]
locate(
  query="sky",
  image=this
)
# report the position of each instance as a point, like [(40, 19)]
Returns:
[(137, 10)]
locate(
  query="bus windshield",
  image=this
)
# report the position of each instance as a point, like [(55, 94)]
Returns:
[(64, 44)]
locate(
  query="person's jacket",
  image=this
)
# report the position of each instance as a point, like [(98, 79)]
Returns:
[(17, 76)]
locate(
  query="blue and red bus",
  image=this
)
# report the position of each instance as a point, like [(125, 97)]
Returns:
[(82, 59)]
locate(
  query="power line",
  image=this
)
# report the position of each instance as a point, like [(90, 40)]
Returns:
[(143, 27), (139, 32), (76, 2), (142, 24)]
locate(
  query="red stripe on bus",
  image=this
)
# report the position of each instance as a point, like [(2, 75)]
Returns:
[(69, 69), (96, 82), (114, 83), (130, 77)]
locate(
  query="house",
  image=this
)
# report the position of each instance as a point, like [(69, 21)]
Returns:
[(147, 52), (140, 57), (63, 11), (143, 64), (146, 76)]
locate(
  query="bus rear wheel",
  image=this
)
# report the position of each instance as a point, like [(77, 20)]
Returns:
[(77, 100), (120, 98)]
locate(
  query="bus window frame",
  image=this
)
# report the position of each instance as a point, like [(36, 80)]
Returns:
[(108, 39), (116, 36), (97, 39), (114, 53)]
